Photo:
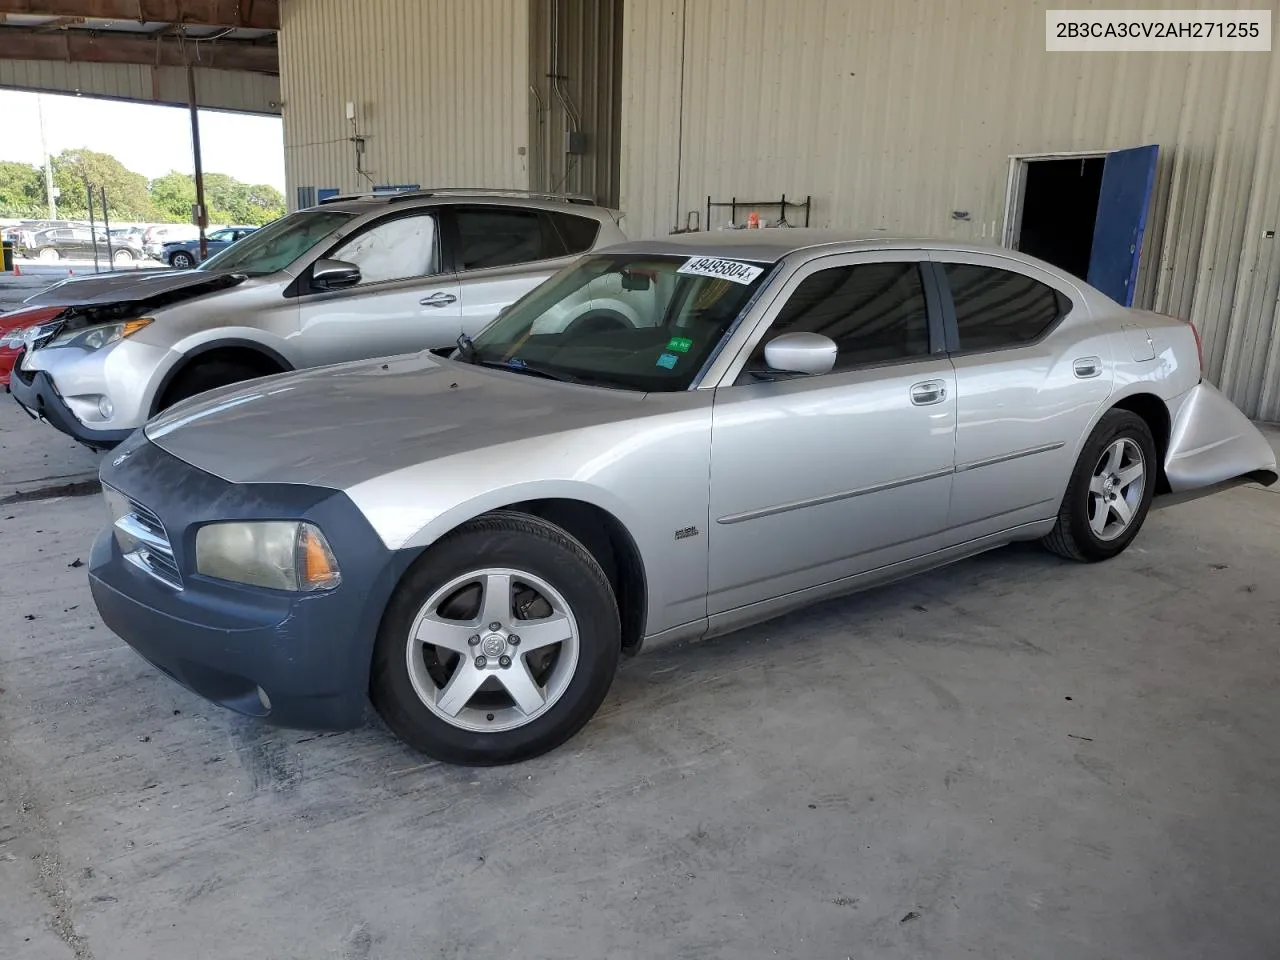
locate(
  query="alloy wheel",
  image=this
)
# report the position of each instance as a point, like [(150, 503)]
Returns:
[(1116, 488), (492, 650)]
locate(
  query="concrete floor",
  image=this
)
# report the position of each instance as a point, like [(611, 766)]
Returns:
[(1013, 757)]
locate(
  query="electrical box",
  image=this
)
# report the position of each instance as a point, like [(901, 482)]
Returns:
[(575, 142)]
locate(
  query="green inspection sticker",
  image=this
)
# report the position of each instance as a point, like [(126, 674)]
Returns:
[(679, 344)]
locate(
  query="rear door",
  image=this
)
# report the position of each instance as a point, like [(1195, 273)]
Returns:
[(406, 299), (501, 252), (1027, 385)]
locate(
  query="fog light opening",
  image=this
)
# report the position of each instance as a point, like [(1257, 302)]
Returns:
[(106, 408), (264, 700)]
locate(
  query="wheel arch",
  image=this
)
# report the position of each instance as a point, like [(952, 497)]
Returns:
[(234, 350), (583, 512), (1155, 413)]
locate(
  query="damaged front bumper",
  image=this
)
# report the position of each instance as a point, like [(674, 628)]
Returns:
[(1212, 447), (41, 401)]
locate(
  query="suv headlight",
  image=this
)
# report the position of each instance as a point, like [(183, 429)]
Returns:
[(95, 338), (281, 554)]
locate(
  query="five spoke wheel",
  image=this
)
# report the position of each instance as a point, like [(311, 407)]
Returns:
[(1116, 489)]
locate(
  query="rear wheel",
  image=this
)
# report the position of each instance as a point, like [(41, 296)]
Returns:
[(203, 377), (499, 644), (1110, 490), (123, 257), (182, 261)]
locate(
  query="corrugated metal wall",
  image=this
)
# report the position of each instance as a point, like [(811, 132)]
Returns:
[(589, 59), (217, 89), (440, 89), (894, 114)]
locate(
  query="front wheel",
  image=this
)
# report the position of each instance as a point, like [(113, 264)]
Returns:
[(182, 261), (1110, 490), (499, 644), (48, 254)]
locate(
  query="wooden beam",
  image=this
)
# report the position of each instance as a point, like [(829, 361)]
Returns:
[(258, 14), (57, 23), (86, 46)]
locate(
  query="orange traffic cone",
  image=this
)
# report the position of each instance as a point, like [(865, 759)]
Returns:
[(17, 269)]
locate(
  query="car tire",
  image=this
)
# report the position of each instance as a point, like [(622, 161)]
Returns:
[(449, 586), (1110, 490), (182, 261), (122, 257), (203, 377), (48, 254)]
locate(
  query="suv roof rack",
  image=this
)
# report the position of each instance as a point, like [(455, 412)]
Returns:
[(395, 196)]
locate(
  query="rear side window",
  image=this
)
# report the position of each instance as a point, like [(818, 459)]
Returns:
[(578, 233), (1000, 308), (500, 237), (875, 312)]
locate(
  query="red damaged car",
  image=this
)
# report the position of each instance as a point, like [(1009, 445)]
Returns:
[(12, 327)]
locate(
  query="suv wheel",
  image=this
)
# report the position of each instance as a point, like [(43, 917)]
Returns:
[(182, 261), (204, 377), (122, 257)]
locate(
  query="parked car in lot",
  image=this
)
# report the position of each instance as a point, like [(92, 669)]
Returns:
[(184, 254), (365, 277), (78, 243), (156, 236), (473, 540)]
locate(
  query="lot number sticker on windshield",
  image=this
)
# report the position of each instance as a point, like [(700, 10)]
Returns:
[(723, 269)]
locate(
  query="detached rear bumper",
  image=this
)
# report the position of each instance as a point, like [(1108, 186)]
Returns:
[(39, 399), (1212, 443)]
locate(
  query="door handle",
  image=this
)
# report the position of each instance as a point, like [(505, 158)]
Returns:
[(438, 299), (928, 392), (1087, 367)]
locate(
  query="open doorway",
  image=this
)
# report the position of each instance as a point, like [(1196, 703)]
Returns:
[(1085, 213), (1059, 211)]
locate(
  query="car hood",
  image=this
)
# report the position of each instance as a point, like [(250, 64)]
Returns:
[(132, 286), (341, 425)]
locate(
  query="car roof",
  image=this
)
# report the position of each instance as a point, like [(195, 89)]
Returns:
[(770, 245)]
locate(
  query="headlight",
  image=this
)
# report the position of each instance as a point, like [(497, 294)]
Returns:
[(94, 338), (281, 554)]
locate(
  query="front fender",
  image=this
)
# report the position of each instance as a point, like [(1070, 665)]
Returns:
[(1212, 442)]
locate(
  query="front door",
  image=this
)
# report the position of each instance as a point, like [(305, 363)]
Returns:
[(403, 303), (1026, 390), (814, 479)]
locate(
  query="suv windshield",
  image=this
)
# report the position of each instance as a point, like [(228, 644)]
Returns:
[(277, 244), (637, 322)]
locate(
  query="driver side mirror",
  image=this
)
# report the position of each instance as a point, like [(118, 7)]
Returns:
[(806, 354), (334, 274)]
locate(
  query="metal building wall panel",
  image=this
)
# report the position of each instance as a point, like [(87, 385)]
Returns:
[(215, 89), (439, 88), (901, 116)]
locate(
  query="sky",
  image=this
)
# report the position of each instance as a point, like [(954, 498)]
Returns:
[(149, 139)]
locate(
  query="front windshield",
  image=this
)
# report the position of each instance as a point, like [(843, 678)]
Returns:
[(637, 322), (278, 244)]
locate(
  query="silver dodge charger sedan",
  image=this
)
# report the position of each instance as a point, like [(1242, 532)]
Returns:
[(739, 424)]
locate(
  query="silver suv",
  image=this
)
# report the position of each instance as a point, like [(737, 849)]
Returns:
[(354, 278)]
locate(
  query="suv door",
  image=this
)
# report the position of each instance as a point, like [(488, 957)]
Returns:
[(1026, 389), (815, 479), (501, 252), (405, 300)]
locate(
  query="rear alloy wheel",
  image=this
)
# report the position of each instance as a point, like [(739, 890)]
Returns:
[(1110, 490), (182, 261), (122, 257), (500, 643)]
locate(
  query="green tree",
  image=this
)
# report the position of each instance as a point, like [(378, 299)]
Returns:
[(21, 190), (127, 196), (173, 196)]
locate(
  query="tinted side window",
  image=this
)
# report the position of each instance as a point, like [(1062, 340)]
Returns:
[(875, 312), (578, 233), (1000, 308), (498, 237)]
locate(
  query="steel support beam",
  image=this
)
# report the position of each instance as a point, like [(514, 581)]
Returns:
[(83, 46), (258, 14)]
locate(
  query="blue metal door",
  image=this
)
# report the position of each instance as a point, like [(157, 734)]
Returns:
[(1127, 178)]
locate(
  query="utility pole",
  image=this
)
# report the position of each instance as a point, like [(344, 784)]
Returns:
[(48, 163), (201, 218)]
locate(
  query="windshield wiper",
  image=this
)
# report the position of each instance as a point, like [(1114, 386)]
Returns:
[(522, 367)]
